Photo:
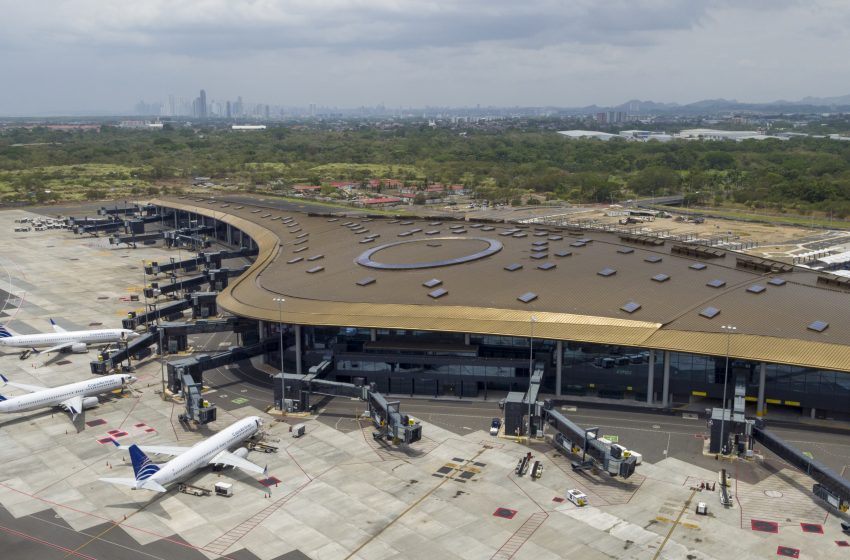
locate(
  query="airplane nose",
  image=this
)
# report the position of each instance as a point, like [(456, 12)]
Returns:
[(130, 379)]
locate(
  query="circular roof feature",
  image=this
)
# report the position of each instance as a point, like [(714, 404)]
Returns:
[(451, 250)]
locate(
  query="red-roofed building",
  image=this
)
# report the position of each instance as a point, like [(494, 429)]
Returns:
[(380, 201)]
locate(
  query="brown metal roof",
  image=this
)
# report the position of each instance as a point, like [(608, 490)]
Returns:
[(574, 302)]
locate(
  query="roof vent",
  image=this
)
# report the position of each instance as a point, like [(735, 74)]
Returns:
[(653, 259), (661, 277), (698, 266), (818, 326), (776, 282), (607, 272), (527, 297), (366, 281), (432, 283), (716, 283), (438, 293), (512, 267), (756, 289), (547, 266), (709, 312), (630, 307)]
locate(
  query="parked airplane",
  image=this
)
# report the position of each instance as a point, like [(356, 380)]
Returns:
[(73, 398), (211, 451), (60, 339)]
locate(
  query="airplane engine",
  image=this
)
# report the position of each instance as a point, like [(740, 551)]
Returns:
[(79, 348), (90, 402), (242, 452)]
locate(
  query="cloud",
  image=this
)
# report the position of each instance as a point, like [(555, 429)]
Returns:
[(211, 27)]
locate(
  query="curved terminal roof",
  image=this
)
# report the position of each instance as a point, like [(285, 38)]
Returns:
[(576, 285)]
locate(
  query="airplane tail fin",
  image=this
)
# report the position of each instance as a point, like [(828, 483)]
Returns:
[(143, 467), (2, 398), (56, 327), (5, 332)]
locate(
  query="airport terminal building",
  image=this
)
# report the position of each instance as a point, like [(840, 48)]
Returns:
[(435, 306)]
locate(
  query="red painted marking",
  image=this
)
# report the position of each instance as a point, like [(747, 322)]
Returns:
[(140, 425), (788, 551), (764, 526), (119, 434), (149, 430), (842, 543), (270, 481), (105, 441), (557, 499), (505, 513), (113, 432), (812, 528), (31, 538), (93, 423)]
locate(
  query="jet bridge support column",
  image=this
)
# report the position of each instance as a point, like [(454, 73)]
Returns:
[(760, 411), (650, 378), (298, 349), (559, 366)]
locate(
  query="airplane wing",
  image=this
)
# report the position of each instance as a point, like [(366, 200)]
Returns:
[(24, 386), (158, 449), (56, 327), (74, 406), (228, 458), (57, 347)]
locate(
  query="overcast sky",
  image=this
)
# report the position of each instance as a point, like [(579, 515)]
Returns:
[(105, 55)]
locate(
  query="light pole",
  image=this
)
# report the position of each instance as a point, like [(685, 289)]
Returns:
[(729, 330), (280, 301), (530, 372)]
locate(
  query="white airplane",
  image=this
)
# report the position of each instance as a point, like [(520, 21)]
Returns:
[(60, 339), (211, 451), (73, 398)]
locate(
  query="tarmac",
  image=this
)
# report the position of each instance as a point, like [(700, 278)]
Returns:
[(337, 493)]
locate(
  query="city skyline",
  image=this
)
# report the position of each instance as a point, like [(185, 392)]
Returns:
[(98, 58)]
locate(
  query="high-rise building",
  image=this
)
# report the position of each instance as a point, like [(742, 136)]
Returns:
[(228, 110), (202, 105)]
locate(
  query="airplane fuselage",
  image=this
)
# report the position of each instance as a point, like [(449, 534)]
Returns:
[(42, 340), (55, 396), (202, 453)]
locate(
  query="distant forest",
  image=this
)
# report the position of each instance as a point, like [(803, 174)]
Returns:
[(802, 175)]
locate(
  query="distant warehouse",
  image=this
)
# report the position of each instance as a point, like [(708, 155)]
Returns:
[(248, 127)]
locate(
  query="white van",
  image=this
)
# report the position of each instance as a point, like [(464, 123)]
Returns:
[(576, 497)]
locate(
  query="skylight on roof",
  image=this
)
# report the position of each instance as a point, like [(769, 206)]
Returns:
[(539, 255), (698, 266), (607, 272), (547, 266), (661, 277), (366, 281), (438, 293), (432, 283), (315, 269), (653, 259), (563, 253), (625, 250), (432, 232), (527, 297), (512, 267), (435, 224), (315, 257), (487, 228), (716, 283), (520, 234), (630, 307), (709, 312), (577, 244), (818, 326), (298, 250), (540, 249), (776, 282), (367, 240), (295, 260), (540, 243), (554, 238), (756, 289)]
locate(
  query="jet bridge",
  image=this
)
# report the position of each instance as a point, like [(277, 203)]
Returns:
[(138, 349), (386, 416), (831, 486), (195, 366), (570, 438), (167, 311)]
